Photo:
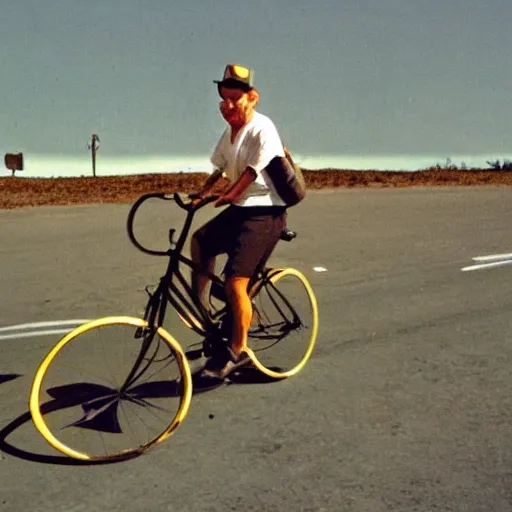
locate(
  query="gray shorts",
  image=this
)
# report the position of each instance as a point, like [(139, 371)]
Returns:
[(247, 234)]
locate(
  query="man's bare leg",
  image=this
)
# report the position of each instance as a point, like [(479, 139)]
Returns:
[(241, 308)]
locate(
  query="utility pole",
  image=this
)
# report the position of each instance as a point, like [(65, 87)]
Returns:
[(94, 146)]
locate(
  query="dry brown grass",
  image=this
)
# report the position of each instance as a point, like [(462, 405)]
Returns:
[(17, 192), (331, 178)]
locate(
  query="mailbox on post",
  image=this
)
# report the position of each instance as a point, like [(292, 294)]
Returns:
[(14, 162)]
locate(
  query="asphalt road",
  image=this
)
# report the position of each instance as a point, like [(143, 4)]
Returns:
[(406, 404)]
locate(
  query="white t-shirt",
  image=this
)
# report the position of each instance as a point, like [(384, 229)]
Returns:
[(255, 146)]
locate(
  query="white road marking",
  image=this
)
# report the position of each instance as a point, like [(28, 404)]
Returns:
[(487, 265), (28, 334), (39, 329), (36, 325), (493, 257), (319, 269)]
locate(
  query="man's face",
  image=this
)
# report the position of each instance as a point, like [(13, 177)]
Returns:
[(236, 106)]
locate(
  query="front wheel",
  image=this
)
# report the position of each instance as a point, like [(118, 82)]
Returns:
[(285, 323), (111, 389)]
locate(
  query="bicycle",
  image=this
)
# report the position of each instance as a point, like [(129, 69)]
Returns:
[(140, 390)]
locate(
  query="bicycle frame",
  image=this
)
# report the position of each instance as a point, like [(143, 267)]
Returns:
[(183, 299), (214, 328)]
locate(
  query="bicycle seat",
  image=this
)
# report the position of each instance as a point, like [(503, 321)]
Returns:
[(288, 235)]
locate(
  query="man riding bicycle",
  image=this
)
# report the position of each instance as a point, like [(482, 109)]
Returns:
[(250, 227)]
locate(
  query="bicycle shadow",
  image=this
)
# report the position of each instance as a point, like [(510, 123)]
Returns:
[(251, 375), (20, 453), (99, 409), (7, 377)]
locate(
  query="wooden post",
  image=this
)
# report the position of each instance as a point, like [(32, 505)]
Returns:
[(94, 146)]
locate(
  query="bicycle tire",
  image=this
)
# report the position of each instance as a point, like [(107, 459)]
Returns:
[(284, 305), (145, 401)]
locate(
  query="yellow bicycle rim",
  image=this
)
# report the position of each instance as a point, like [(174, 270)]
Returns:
[(34, 404)]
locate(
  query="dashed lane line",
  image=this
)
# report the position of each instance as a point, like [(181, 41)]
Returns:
[(39, 329)]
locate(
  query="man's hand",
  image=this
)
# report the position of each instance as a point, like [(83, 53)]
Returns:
[(201, 198), (204, 193), (238, 189), (197, 197), (223, 200)]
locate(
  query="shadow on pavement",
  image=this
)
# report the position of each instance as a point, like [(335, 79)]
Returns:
[(99, 409), (252, 376), (61, 460), (6, 377)]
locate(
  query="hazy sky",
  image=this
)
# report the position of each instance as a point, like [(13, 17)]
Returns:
[(336, 76)]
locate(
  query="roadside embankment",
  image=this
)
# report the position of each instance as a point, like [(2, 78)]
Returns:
[(18, 192)]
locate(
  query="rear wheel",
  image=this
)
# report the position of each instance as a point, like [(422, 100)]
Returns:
[(285, 323), (110, 389)]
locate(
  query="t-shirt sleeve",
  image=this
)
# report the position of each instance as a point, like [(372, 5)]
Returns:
[(265, 144), (218, 159)]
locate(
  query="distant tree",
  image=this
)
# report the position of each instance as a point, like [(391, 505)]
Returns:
[(498, 166), (447, 166)]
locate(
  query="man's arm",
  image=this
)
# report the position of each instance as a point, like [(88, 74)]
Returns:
[(209, 183), (233, 193)]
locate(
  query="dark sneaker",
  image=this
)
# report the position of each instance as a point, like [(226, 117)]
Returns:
[(213, 367), (233, 363)]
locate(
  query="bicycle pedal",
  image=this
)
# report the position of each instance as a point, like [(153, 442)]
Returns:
[(288, 235)]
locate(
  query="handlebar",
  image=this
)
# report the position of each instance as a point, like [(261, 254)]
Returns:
[(190, 208)]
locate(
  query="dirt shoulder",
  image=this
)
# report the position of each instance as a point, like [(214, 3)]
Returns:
[(19, 192)]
